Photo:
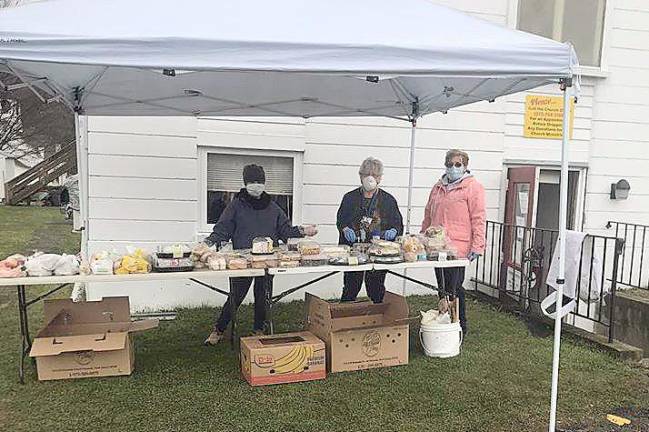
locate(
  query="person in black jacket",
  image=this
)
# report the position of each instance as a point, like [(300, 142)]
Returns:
[(252, 213), (365, 213)]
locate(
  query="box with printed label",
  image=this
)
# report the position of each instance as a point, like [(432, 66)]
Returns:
[(86, 339), (360, 335), (282, 358)]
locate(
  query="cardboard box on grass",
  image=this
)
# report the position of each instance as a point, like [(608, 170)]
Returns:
[(360, 335), (86, 339), (282, 358)]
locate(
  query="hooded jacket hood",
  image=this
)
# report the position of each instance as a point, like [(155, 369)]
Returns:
[(257, 203)]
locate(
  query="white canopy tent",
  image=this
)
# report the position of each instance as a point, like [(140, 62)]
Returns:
[(275, 58)]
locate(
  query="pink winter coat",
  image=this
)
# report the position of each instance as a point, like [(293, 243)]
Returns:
[(460, 208)]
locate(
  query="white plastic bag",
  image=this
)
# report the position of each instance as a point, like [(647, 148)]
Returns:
[(41, 264), (67, 265), (433, 316)]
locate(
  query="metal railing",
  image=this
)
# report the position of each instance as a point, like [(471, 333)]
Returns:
[(634, 266), (515, 266)]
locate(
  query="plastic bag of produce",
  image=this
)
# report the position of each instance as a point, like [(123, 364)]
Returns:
[(136, 261)]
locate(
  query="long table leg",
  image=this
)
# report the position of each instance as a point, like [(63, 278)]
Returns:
[(268, 292), (25, 339), (233, 315)]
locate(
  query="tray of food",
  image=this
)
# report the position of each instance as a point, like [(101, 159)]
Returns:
[(174, 251), (334, 251), (308, 247), (386, 259), (262, 246), (168, 265), (314, 260), (384, 248), (236, 262), (352, 259)]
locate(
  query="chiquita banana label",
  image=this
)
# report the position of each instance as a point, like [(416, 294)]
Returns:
[(295, 361)]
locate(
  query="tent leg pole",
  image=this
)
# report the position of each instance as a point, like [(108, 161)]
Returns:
[(411, 178), (563, 219), (81, 130)]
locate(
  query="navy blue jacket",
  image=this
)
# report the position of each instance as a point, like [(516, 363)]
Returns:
[(246, 218), (386, 213)]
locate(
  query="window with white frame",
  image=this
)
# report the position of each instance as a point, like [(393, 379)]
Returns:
[(580, 22), (225, 179)]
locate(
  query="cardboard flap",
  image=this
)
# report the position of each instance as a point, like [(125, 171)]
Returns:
[(397, 307), (357, 309), (142, 325), (50, 346), (109, 309)]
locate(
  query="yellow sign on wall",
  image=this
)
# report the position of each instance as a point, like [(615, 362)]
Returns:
[(544, 116)]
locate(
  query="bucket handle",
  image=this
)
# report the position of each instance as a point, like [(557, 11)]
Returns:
[(421, 339)]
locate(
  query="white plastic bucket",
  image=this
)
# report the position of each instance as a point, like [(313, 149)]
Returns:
[(441, 340)]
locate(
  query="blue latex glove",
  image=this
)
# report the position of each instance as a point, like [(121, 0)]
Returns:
[(472, 256), (349, 234), (390, 234)]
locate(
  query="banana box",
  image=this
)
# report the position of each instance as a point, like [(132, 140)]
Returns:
[(282, 358), (360, 335)]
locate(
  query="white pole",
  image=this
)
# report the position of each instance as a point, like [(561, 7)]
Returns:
[(411, 179), (563, 218), (81, 127), (411, 172)]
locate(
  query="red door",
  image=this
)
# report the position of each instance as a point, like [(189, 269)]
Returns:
[(519, 217)]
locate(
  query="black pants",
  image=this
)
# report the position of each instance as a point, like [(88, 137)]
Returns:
[(240, 287), (374, 285), (449, 281)]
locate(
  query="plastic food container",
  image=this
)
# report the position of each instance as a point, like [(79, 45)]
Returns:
[(237, 262), (167, 265), (307, 247), (262, 245), (354, 258), (341, 251), (314, 260), (174, 251), (293, 243)]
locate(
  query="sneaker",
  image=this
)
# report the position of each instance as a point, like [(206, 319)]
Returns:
[(214, 338)]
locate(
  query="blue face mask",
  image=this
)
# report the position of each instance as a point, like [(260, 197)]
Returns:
[(453, 173)]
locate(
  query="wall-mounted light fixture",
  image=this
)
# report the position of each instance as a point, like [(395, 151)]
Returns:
[(620, 190)]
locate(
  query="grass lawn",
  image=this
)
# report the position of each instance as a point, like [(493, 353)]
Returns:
[(500, 382)]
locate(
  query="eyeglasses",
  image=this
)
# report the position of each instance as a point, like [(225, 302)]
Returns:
[(456, 164)]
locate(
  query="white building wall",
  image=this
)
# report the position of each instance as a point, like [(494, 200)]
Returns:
[(146, 186)]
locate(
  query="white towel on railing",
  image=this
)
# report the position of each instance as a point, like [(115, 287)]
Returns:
[(579, 249)]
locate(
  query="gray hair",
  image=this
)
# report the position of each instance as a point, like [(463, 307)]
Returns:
[(455, 152), (371, 166)]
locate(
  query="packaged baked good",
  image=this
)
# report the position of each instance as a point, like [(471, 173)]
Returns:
[(308, 247), (335, 251), (217, 262), (237, 262), (263, 261), (412, 248), (262, 245)]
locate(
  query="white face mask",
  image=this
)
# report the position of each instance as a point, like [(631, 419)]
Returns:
[(255, 189), (369, 183)]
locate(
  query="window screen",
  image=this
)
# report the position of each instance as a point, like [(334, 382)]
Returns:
[(225, 172), (580, 22)]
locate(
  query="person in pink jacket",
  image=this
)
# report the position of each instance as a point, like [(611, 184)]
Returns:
[(457, 203)]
